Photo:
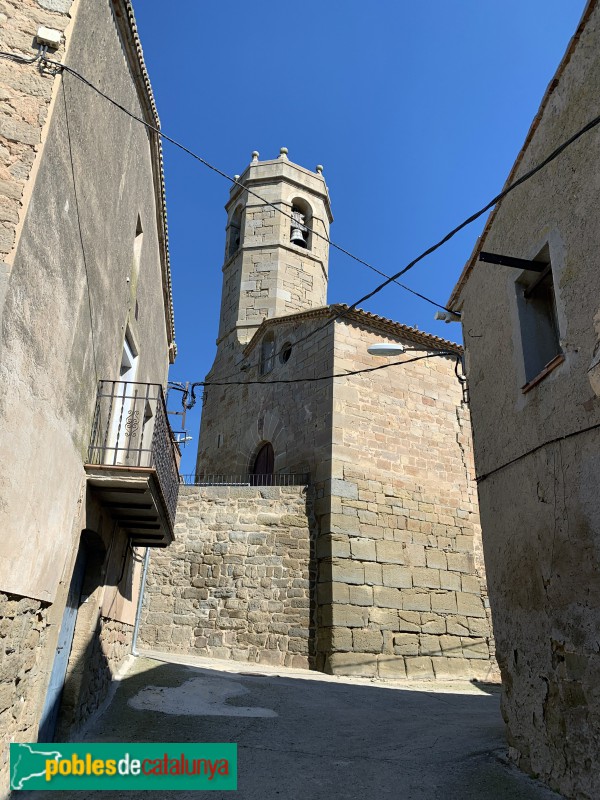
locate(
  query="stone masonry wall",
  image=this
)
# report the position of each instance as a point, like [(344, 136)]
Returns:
[(25, 96), (236, 583), (93, 662), (400, 592), (23, 633)]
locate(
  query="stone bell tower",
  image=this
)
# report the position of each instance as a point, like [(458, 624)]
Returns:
[(274, 265)]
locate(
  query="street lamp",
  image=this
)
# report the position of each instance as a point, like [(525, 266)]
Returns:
[(386, 349)]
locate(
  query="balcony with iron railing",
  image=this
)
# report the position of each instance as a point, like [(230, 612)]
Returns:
[(133, 461)]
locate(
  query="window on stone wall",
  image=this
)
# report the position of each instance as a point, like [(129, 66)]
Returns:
[(286, 352), (267, 354), (300, 231), (538, 319)]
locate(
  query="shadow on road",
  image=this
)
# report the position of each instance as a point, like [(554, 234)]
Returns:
[(313, 737)]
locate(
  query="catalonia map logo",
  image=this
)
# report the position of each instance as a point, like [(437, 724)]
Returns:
[(123, 766)]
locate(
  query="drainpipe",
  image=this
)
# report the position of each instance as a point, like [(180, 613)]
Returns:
[(138, 612)]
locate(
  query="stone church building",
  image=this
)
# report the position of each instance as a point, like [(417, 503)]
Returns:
[(334, 521)]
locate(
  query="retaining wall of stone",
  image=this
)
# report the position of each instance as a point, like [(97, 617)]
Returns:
[(237, 581)]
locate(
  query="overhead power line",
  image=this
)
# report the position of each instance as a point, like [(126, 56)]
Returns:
[(46, 63), (330, 377), (191, 391), (510, 188), (56, 67)]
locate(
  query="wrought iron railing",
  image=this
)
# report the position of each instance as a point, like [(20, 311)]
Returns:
[(131, 429), (281, 479)]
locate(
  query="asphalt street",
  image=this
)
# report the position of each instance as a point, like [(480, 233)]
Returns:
[(306, 736)]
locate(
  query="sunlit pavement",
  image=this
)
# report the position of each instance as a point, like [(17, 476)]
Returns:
[(306, 736)]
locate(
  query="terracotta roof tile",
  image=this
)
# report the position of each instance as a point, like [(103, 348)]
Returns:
[(359, 317)]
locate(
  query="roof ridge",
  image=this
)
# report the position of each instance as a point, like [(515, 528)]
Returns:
[(161, 176), (421, 337)]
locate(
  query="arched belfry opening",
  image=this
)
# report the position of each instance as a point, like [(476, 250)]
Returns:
[(234, 239), (300, 224), (263, 465), (273, 265)]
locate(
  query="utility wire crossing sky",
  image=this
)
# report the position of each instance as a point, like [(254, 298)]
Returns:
[(47, 63)]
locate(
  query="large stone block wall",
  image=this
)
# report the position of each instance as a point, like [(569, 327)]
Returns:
[(237, 581), (401, 580), (23, 635)]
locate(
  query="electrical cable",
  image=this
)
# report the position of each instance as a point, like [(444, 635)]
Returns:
[(391, 278), (335, 375), (188, 405), (480, 478), (42, 50), (510, 188), (56, 67), (334, 318)]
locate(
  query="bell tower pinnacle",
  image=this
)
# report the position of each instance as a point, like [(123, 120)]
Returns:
[(275, 263)]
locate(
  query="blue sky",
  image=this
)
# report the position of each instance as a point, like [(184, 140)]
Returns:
[(416, 110)]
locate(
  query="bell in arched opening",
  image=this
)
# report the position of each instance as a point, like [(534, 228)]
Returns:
[(298, 230)]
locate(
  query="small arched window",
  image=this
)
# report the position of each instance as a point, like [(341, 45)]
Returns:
[(286, 352), (235, 232), (267, 354), (300, 230)]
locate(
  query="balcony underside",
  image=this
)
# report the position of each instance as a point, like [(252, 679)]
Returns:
[(133, 497)]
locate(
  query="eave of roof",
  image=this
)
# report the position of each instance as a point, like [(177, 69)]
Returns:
[(455, 296), (124, 11), (362, 318)]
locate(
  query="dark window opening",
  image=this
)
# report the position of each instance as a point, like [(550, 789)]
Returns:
[(286, 352), (540, 334)]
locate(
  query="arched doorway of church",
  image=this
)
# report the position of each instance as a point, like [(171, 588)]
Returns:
[(264, 463)]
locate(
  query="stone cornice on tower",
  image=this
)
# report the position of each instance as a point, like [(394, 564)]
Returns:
[(265, 172)]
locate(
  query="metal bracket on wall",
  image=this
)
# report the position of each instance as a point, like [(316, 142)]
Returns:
[(510, 261)]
